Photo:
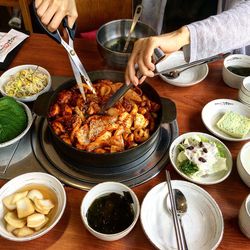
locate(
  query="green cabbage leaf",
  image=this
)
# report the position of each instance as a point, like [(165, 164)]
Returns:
[(13, 119)]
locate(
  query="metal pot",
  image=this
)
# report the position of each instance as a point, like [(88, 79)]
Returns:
[(80, 158), (112, 35)]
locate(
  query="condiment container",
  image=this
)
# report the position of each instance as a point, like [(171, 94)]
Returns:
[(235, 61), (243, 163), (103, 190), (244, 92), (244, 217)]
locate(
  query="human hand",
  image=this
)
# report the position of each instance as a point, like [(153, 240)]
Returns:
[(51, 12), (144, 50)]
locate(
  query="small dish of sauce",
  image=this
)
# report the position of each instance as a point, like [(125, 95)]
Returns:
[(117, 44), (111, 213), (239, 70)]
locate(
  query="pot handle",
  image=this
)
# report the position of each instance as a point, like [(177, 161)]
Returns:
[(168, 110), (41, 104)]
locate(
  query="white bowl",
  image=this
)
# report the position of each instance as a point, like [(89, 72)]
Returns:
[(214, 110), (20, 136), (243, 163), (231, 79), (188, 77), (244, 217), (19, 182), (207, 179), (7, 74), (103, 189), (244, 92)]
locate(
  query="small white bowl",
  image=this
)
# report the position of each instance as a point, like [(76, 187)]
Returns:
[(204, 180), (188, 77), (244, 92), (103, 189), (23, 180), (244, 217), (20, 136), (243, 163), (231, 79), (11, 72)]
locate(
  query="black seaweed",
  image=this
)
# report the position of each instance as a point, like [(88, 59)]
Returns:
[(111, 214)]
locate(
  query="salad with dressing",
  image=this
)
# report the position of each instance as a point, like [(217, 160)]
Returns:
[(198, 156)]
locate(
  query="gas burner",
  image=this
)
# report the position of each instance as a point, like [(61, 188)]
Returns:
[(131, 174)]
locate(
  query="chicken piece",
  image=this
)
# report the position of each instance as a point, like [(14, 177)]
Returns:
[(116, 86), (80, 103), (140, 121), (94, 108), (80, 113), (65, 137), (105, 90), (57, 127), (134, 110), (120, 130), (82, 135), (64, 96), (132, 95), (54, 110), (117, 140), (114, 149), (100, 150), (66, 110), (98, 124), (113, 112), (95, 145), (77, 122), (104, 137)]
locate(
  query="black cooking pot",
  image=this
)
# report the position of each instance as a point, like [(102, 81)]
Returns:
[(80, 158)]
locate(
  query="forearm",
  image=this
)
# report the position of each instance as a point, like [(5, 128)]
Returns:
[(223, 32)]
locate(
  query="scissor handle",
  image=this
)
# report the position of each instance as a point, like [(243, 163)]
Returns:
[(71, 31), (55, 35)]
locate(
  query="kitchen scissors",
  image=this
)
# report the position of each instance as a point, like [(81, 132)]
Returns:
[(77, 67)]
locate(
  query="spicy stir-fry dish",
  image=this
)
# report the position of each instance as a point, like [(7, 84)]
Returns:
[(79, 123)]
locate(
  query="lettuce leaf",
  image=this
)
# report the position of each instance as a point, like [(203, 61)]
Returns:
[(13, 119)]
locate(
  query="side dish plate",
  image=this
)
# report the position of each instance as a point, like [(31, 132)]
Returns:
[(214, 110), (203, 223)]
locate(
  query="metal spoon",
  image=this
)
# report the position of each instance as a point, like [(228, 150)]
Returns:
[(181, 207), (176, 73), (136, 17)]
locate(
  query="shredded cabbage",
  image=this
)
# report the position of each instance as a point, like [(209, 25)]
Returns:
[(26, 82)]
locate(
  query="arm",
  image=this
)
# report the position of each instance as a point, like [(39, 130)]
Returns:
[(52, 12), (216, 34), (223, 32), (144, 49)]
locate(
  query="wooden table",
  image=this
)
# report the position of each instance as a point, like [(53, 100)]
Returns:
[(70, 232)]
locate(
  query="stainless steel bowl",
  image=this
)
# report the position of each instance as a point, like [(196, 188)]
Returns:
[(111, 35)]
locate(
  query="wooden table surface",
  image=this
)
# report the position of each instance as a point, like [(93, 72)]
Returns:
[(70, 232)]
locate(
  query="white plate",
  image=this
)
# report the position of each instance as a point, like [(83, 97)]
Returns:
[(214, 110), (203, 223), (21, 135), (207, 179), (7, 74), (189, 77)]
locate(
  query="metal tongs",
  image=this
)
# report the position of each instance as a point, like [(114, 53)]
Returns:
[(122, 91), (77, 67)]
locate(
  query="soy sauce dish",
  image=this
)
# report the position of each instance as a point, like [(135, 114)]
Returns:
[(110, 210)]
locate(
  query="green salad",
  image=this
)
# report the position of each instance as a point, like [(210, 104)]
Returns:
[(198, 156)]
